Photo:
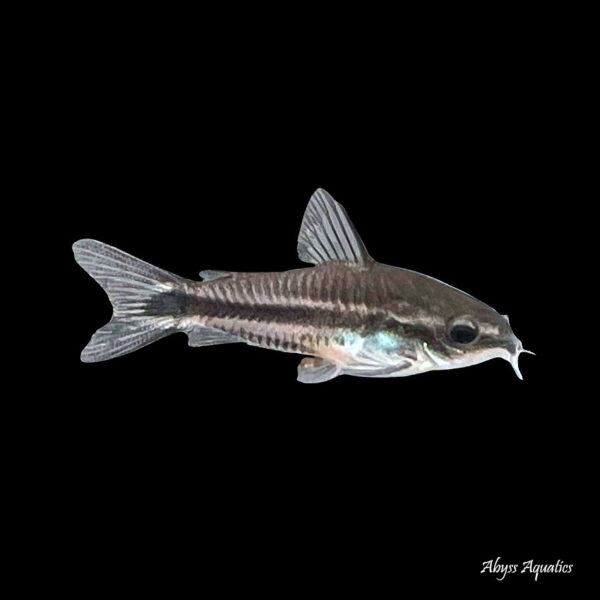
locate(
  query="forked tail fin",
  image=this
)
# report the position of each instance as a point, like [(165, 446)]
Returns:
[(134, 288)]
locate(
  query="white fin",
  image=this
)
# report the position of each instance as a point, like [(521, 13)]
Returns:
[(122, 336), (316, 370), (392, 371), (206, 336), (211, 274), (327, 233), (136, 290)]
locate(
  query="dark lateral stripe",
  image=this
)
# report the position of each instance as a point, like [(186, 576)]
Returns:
[(176, 303), (309, 297), (329, 284), (280, 313)]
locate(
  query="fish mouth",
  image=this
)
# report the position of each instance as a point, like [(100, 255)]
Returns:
[(513, 356)]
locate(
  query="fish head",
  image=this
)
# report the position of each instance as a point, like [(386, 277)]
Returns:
[(475, 336), (451, 329)]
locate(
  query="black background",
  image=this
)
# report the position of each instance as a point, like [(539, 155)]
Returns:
[(201, 467)]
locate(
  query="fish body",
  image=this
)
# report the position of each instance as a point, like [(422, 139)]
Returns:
[(349, 313)]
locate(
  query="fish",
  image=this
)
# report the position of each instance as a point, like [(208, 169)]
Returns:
[(347, 313)]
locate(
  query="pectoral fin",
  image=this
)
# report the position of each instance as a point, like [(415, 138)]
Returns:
[(392, 371), (316, 370)]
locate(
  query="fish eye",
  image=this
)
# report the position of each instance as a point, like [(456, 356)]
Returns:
[(463, 333)]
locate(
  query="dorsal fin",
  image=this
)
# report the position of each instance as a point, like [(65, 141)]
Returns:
[(328, 234)]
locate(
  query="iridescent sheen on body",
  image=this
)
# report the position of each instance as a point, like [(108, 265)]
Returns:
[(349, 313)]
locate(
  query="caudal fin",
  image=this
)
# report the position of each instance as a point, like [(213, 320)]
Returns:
[(136, 290)]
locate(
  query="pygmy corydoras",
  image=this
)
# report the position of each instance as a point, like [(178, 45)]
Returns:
[(350, 314)]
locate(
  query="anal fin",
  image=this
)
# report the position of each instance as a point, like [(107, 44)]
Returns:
[(317, 370), (206, 336)]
